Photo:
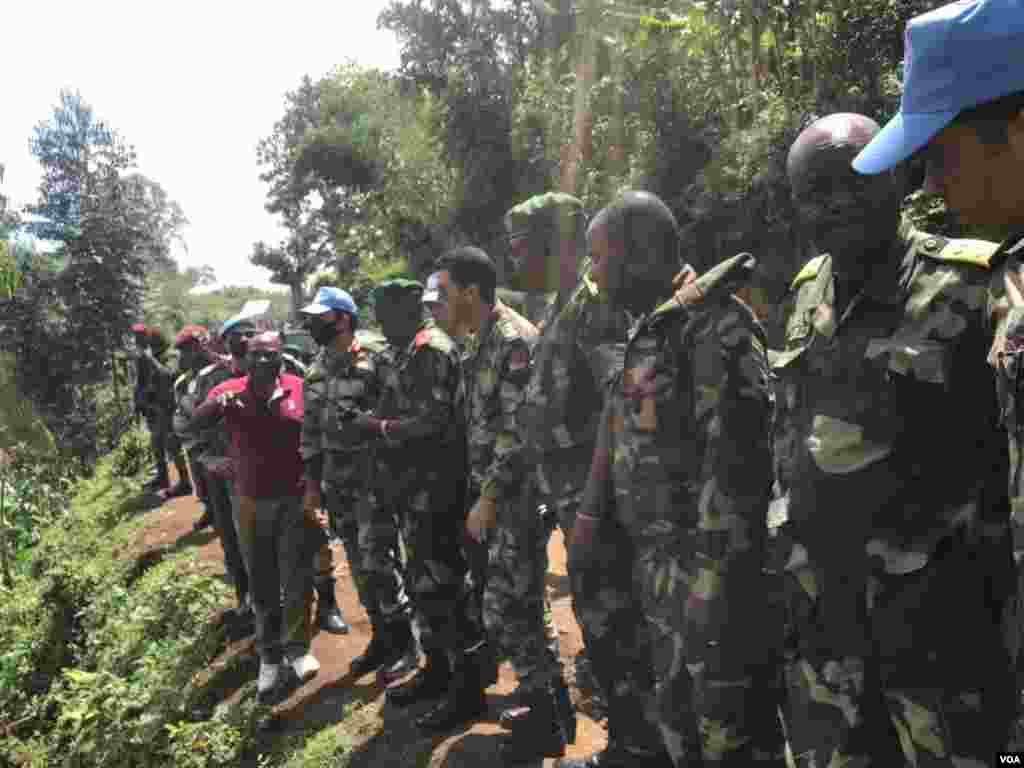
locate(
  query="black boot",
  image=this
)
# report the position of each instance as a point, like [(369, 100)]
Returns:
[(328, 614), (513, 716), (390, 641), (621, 715), (431, 682), (465, 700), (539, 734)]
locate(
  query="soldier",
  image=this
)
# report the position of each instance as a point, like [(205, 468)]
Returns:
[(263, 411), (685, 510), (418, 477), (497, 368), (208, 450), (578, 350), (139, 335), (900, 565), (334, 454), (159, 396), (961, 112), (191, 344)]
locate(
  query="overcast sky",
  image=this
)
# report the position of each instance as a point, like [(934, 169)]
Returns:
[(193, 85)]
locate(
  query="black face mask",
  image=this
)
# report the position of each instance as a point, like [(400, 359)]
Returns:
[(263, 371), (323, 333)]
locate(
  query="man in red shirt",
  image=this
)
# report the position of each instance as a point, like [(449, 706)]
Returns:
[(263, 414)]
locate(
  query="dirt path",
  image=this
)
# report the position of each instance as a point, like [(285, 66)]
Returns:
[(383, 736)]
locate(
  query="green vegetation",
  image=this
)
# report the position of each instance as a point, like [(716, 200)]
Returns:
[(106, 650)]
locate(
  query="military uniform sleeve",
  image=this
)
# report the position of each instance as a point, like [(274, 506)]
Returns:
[(433, 396), (598, 500), (505, 473), (311, 439), (741, 459)]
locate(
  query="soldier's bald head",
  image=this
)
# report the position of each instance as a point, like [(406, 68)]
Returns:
[(841, 135)]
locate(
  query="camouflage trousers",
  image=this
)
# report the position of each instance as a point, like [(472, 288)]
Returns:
[(341, 504), (516, 612), (222, 508), (934, 685), (700, 662), (431, 583)]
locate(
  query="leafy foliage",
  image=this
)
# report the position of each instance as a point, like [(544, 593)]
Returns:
[(112, 225)]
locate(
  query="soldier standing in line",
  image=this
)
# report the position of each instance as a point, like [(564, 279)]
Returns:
[(208, 450), (191, 344), (968, 132), (685, 509), (419, 476), (160, 399), (899, 566), (578, 352), (335, 454), (497, 368)]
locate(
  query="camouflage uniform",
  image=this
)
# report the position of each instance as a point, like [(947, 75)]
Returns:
[(418, 482), (1006, 307), (515, 611), (896, 562), (684, 511), (208, 451), (350, 380)]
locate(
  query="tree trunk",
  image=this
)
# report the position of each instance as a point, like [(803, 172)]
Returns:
[(297, 290), (583, 121)]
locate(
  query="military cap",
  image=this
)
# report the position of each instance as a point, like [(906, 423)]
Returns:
[(541, 213), (192, 333), (394, 284)]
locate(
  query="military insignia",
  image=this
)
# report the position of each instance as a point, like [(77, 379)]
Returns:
[(978, 253), (423, 338), (809, 272)]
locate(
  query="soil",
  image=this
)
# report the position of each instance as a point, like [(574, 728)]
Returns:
[(382, 736)]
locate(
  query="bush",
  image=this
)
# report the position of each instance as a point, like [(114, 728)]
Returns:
[(132, 455)]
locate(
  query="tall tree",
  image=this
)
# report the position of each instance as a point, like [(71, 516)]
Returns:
[(113, 225), (311, 206)]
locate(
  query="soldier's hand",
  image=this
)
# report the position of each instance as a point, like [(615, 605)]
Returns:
[(482, 518), (581, 545)]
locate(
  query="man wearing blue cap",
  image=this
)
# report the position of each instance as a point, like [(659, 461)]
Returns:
[(342, 377), (900, 568), (962, 112)]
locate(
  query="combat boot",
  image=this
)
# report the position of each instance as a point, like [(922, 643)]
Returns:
[(539, 734), (619, 753), (430, 682), (389, 643), (328, 614), (465, 700), (564, 707)]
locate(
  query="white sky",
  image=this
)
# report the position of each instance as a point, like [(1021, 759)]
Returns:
[(193, 85)]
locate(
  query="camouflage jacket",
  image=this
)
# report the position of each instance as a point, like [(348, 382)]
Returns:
[(339, 380), (671, 468), (421, 397), (896, 426), (497, 368), (575, 358), (211, 446), (1006, 308)]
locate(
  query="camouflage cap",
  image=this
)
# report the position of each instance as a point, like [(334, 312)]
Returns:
[(395, 284), (541, 213)]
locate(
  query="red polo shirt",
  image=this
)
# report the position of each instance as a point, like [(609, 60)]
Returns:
[(266, 442)]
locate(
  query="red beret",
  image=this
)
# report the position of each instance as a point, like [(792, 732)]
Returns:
[(192, 333)]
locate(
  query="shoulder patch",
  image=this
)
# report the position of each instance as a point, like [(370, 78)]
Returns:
[(809, 272), (978, 253), (423, 337)]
